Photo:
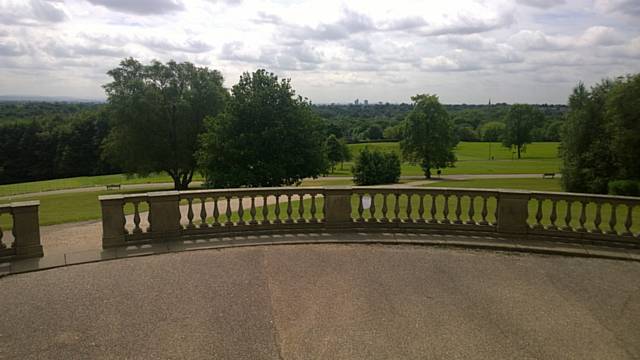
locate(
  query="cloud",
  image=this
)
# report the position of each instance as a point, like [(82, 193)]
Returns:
[(33, 12), (406, 23), (542, 4), (626, 7), (141, 7), (465, 24), (352, 22), (11, 48), (190, 46)]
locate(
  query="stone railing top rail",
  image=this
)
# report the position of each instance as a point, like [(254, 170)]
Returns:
[(20, 204)]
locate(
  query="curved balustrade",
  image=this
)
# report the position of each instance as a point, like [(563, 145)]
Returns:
[(204, 213)]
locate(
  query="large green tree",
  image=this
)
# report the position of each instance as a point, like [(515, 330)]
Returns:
[(158, 112), (519, 122), (267, 136), (601, 137), (429, 137)]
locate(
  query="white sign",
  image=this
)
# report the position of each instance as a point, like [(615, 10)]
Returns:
[(366, 202)]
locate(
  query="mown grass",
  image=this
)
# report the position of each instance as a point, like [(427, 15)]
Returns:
[(473, 158), (540, 184)]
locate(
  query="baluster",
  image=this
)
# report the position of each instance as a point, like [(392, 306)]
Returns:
[(277, 210), (289, 220), (598, 220), (554, 215), (421, 208), (372, 209), (433, 219), (484, 212), (265, 210), (613, 220), (360, 208), (313, 219), (301, 218), (149, 220), (471, 213), (538, 225), (396, 209), (189, 214), (253, 211), (567, 219), (409, 208), (458, 210), (384, 218), (445, 210), (629, 221), (136, 218), (203, 213), (240, 210), (2, 245), (583, 216), (216, 213), (228, 212)]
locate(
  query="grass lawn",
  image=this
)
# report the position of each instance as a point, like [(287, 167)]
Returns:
[(81, 182), (539, 184), (474, 158)]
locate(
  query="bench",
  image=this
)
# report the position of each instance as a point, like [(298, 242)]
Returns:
[(548, 175), (113, 186)]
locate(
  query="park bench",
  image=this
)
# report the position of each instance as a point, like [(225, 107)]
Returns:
[(113, 186), (548, 175)]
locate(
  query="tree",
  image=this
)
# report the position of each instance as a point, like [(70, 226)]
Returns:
[(429, 135), (376, 167), (492, 131), (622, 116), (587, 161), (267, 136), (519, 122), (374, 132), (335, 153), (158, 111)]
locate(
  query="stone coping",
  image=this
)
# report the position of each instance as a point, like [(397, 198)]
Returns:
[(50, 261)]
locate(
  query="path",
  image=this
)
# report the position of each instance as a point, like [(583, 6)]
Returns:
[(326, 301)]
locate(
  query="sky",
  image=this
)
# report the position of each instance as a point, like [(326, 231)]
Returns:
[(465, 51)]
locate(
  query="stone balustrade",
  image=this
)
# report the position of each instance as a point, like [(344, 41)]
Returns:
[(23, 240), (182, 215)]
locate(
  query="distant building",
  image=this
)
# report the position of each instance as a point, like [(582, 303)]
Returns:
[(356, 102), (366, 102)]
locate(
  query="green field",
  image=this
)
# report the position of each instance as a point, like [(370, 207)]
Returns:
[(552, 185), (475, 158)]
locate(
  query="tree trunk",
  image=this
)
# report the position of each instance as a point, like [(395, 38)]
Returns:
[(427, 173)]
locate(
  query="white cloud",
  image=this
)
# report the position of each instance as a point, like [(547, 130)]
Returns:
[(464, 50)]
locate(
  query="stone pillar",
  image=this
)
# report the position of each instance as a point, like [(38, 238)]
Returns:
[(337, 209), (164, 215), (113, 221), (513, 210), (26, 229)]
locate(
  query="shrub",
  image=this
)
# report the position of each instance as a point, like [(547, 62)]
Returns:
[(376, 167), (624, 187)]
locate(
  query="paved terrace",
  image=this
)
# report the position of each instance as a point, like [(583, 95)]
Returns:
[(326, 301)]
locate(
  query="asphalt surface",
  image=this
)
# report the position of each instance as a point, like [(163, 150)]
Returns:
[(326, 302)]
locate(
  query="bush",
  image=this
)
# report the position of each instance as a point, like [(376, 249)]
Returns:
[(376, 167), (624, 187)]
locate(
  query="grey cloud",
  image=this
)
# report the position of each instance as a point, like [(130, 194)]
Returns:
[(234, 51), (33, 12), (463, 24), (352, 22), (141, 7), (226, 2), (406, 23), (359, 44), (264, 18), (11, 48), (626, 7), (190, 46), (542, 4)]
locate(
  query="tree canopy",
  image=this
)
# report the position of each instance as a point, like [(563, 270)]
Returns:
[(157, 113), (519, 122), (601, 139), (429, 135), (267, 136)]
